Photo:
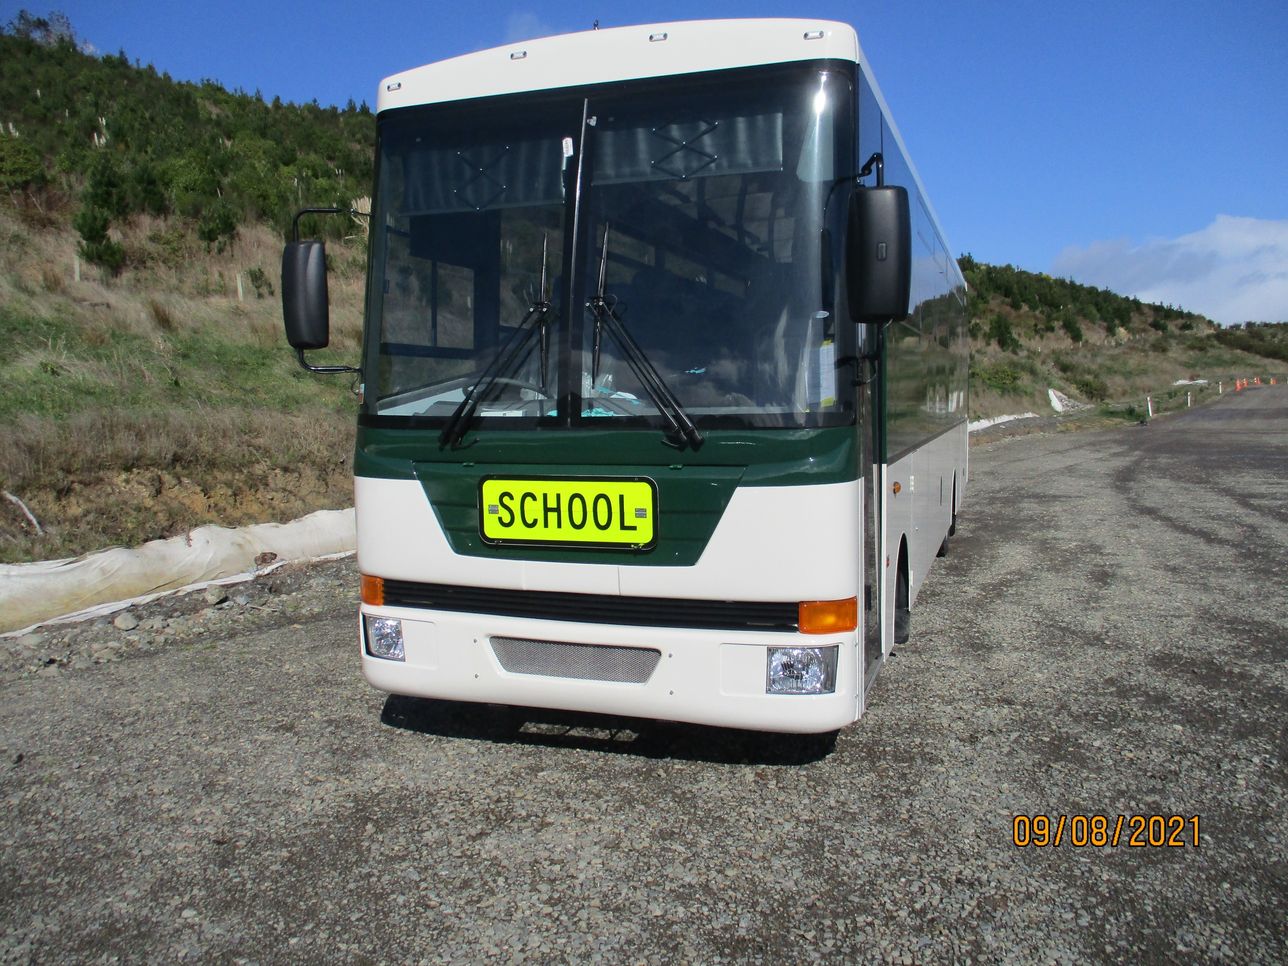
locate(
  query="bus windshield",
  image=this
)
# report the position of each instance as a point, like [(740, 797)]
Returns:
[(703, 237)]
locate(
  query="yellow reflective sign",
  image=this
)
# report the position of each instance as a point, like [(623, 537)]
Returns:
[(569, 512)]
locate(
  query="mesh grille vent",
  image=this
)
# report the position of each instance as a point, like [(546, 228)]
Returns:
[(585, 662)]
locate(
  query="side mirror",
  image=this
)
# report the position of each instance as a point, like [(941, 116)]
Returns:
[(305, 306), (878, 254)]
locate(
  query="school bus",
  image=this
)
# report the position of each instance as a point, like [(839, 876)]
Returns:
[(663, 378)]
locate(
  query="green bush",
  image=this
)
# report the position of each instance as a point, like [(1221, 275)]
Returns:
[(96, 246), (259, 280), (1072, 327), (1000, 331), (217, 225), (1093, 387), (20, 164), (1000, 377)]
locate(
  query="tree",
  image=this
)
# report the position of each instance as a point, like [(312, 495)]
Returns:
[(999, 331), (46, 31), (20, 165), (217, 225), (96, 246), (1071, 326)]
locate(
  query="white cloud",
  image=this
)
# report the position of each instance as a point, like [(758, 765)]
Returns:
[(1234, 270), (525, 25)]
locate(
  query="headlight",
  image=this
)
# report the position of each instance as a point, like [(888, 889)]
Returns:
[(801, 670), (385, 638)]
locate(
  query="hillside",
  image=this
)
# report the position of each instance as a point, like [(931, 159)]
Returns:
[(147, 388), (108, 141), (1031, 332)]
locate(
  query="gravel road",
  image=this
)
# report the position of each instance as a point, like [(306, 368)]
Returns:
[(1106, 637)]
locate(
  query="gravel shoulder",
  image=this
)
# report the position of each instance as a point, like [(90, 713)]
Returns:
[(1106, 637)]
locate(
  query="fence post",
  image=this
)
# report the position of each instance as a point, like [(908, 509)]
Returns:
[(241, 295), (1149, 408), (1187, 400)]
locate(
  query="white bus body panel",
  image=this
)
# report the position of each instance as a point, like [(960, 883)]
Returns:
[(772, 544), (783, 543), (618, 54), (922, 511)]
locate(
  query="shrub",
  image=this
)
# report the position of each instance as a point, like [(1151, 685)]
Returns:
[(1000, 377), (92, 224), (20, 165), (217, 225), (1093, 387), (1000, 331), (259, 280)]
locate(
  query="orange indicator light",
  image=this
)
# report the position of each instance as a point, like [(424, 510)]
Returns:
[(373, 590), (828, 616)]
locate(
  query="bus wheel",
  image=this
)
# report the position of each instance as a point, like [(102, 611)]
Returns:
[(943, 547), (902, 612)]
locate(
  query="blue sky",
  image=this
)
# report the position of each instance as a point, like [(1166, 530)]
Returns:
[(1141, 146)]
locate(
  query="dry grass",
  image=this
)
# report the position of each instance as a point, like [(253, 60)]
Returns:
[(169, 283), (117, 477), (140, 405)]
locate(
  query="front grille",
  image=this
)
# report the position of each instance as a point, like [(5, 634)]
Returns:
[(585, 662), (731, 615)]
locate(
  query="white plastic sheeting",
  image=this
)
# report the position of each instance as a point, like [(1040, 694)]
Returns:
[(80, 587)]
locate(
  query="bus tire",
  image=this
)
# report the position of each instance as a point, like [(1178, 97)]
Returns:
[(943, 547)]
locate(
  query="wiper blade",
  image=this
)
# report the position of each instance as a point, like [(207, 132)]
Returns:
[(501, 363), (682, 426)]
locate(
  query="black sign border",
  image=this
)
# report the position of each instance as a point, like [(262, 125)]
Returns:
[(558, 545)]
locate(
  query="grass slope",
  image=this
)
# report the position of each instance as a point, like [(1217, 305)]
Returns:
[(141, 405)]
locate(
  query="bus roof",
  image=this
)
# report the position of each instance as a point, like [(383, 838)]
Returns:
[(616, 54)]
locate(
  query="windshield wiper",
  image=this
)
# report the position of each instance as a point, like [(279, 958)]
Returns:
[(682, 427), (507, 356)]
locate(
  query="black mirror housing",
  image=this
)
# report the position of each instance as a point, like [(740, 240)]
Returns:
[(878, 254), (305, 306)]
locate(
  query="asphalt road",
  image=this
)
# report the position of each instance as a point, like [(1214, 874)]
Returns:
[(1106, 638)]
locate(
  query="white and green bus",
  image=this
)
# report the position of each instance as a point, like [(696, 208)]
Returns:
[(664, 377)]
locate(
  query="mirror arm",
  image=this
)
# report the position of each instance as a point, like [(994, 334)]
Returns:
[(878, 161), (299, 355)]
